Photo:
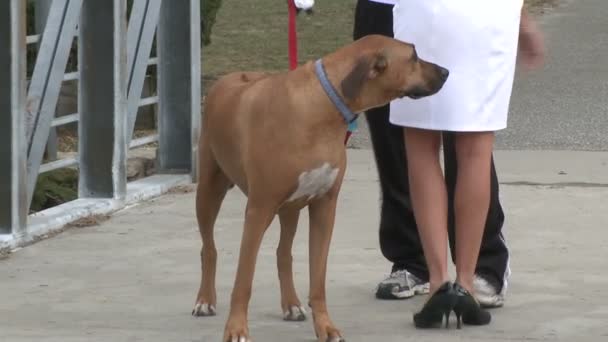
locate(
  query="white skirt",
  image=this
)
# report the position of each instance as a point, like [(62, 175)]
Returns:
[(476, 40)]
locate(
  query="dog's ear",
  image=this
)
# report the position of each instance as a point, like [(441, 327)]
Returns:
[(366, 68), (379, 65)]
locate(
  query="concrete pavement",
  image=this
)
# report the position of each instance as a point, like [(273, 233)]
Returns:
[(564, 106), (134, 277)]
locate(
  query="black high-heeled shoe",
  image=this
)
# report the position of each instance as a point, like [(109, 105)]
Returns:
[(440, 305), (468, 310)]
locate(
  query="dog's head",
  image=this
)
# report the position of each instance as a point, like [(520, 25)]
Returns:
[(385, 69)]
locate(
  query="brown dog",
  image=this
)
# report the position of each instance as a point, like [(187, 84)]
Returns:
[(280, 139)]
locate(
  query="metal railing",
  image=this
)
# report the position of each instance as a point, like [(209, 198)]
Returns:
[(113, 56), (74, 117)]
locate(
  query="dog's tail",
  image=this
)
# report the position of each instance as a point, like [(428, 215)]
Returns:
[(253, 76)]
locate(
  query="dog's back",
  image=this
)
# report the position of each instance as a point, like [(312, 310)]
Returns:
[(229, 86), (228, 98)]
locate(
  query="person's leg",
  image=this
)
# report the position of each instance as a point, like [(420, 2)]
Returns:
[(471, 205), (399, 240), (450, 166), (429, 198), (493, 263), (372, 18), (471, 200)]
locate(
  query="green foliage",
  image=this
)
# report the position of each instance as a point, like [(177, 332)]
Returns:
[(209, 9), (54, 188)]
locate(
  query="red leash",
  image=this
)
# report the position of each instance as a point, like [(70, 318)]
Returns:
[(293, 45), (293, 37)]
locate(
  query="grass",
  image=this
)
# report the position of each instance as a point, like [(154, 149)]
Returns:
[(537, 5), (252, 35)]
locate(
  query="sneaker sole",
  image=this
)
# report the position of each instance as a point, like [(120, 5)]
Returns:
[(492, 305), (386, 293), (490, 302)]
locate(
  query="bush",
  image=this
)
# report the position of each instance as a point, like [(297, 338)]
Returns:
[(54, 188), (209, 9)]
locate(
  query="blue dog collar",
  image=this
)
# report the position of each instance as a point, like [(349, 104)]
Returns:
[(331, 92)]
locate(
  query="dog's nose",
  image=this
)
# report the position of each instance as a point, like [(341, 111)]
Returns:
[(444, 73)]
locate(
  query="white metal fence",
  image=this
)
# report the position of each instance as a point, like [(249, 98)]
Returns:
[(113, 56)]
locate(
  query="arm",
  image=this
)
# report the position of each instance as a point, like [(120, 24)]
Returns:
[(304, 5)]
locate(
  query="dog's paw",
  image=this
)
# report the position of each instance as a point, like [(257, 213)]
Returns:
[(295, 314), (239, 339), (326, 331), (204, 310), (331, 339), (236, 331), (335, 339)]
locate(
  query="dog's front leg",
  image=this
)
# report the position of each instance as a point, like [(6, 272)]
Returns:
[(257, 219), (322, 216), (290, 303)]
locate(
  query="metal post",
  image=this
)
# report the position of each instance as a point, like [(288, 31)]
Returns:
[(196, 89), (179, 85), (13, 195), (46, 81), (102, 99), (142, 26), (42, 8)]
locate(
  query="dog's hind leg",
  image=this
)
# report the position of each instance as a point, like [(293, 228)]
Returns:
[(290, 303), (212, 187)]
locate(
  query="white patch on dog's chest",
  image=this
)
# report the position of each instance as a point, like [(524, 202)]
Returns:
[(315, 182)]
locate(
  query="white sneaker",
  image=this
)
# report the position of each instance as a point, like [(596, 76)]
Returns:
[(486, 294), (401, 285)]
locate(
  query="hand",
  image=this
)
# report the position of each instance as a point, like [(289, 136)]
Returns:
[(531, 44), (305, 5)]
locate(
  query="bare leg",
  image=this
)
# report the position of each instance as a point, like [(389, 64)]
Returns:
[(290, 303), (471, 200), (429, 198)]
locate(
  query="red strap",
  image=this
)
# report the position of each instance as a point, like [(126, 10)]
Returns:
[(293, 45), (348, 134), (293, 38)]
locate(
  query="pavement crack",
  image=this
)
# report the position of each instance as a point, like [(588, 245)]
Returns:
[(558, 184)]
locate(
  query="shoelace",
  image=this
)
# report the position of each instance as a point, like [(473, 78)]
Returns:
[(396, 275), (400, 273)]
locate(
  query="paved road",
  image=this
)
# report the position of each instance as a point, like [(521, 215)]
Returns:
[(565, 105), (134, 277)]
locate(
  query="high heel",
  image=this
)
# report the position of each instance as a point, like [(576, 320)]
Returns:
[(440, 305), (468, 310)]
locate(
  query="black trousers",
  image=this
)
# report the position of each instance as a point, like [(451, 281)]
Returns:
[(399, 239)]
